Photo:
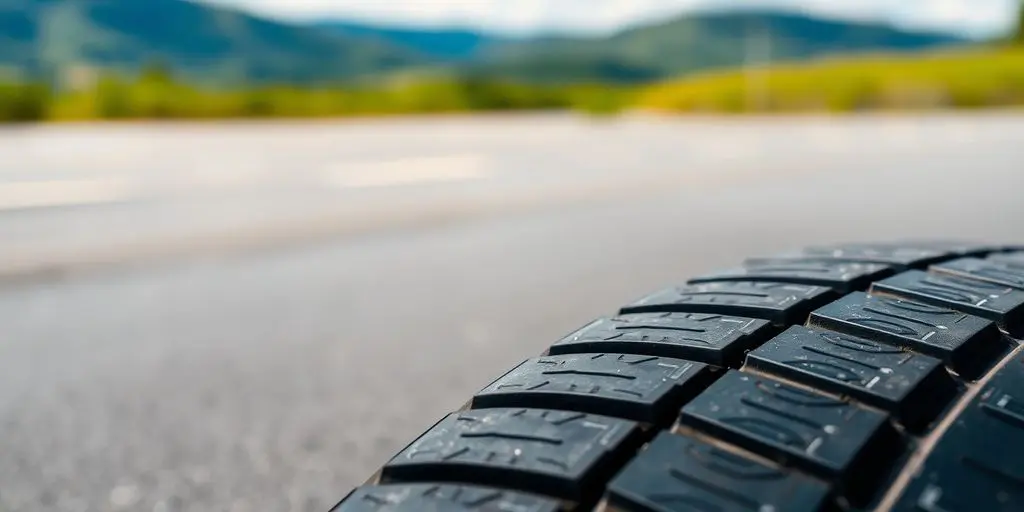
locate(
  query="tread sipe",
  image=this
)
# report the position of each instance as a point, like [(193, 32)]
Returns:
[(857, 377)]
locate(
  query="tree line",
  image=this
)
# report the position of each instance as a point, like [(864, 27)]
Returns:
[(979, 77)]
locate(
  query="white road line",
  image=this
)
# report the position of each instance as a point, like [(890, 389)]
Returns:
[(35, 194), (407, 171)]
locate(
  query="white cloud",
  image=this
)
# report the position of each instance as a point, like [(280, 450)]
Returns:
[(973, 17)]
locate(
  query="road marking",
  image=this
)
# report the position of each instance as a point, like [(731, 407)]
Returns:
[(407, 171), (18, 195)]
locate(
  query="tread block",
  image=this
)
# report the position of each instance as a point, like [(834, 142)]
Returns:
[(677, 473), (913, 388), (977, 463), (900, 257), (912, 254), (838, 275), (642, 388), (958, 247), (1001, 303), (983, 270), (561, 454), (714, 339), (831, 438), (968, 344), (441, 498), (779, 302), (1010, 259)]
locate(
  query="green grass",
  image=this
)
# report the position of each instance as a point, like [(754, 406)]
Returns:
[(962, 79), (156, 96)]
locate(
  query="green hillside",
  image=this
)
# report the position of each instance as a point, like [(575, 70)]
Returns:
[(205, 44), (202, 43), (696, 43), (225, 64), (976, 78)]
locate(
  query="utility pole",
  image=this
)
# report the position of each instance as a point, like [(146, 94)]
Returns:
[(758, 55), (1018, 37)]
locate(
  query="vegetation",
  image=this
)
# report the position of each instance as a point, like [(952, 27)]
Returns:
[(216, 46), (1019, 34), (155, 94), (82, 60), (23, 102), (697, 42), (203, 43), (963, 79)]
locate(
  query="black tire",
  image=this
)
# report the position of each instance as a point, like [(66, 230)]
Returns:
[(855, 377)]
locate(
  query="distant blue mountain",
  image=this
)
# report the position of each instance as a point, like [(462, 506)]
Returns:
[(448, 45), (680, 45)]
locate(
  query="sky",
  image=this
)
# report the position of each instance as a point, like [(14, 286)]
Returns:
[(966, 17)]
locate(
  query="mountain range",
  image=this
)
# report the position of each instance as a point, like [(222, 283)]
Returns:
[(446, 45), (203, 42), (216, 45), (700, 42)]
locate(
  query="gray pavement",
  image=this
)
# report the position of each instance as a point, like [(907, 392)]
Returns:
[(254, 317)]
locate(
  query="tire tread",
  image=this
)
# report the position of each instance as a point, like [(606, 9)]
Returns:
[(804, 381)]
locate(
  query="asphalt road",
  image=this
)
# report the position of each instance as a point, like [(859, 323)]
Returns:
[(254, 317)]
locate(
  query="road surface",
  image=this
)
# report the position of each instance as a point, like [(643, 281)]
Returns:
[(252, 317)]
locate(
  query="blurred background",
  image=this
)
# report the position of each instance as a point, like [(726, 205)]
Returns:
[(250, 248)]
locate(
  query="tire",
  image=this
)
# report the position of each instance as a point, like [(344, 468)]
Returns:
[(856, 377)]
